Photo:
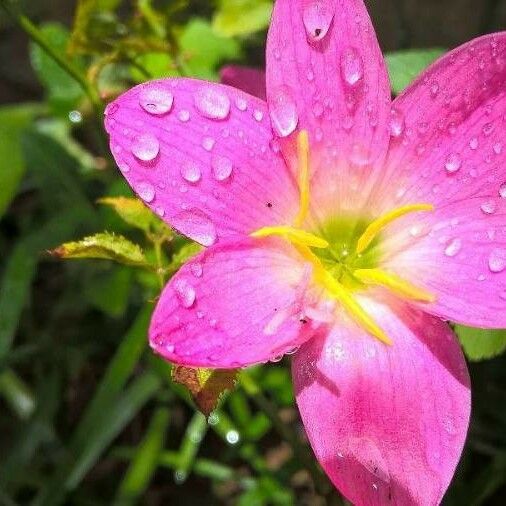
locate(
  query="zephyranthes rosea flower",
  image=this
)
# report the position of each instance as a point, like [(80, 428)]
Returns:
[(341, 226)]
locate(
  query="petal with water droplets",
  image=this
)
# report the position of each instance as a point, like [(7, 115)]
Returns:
[(205, 166), (387, 423), (235, 304)]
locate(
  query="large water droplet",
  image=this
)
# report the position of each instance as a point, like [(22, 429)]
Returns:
[(191, 172), (317, 16), (145, 147), (222, 167), (156, 100), (212, 102), (283, 112), (489, 206), (146, 192), (185, 292), (196, 225), (453, 248), (352, 66), (397, 123), (453, 163), (497, 260)]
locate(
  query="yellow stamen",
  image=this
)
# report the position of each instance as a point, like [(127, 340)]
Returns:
[(303, 168), (294, 235), (376, 226), (340, 293), (396, 284)]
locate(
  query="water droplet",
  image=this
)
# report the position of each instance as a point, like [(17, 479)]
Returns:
[(156, 100), (197, 269), (208, 143), (145, 147), (241, 103), (474, 143), (258, 115), (487, 129), (232, 437), (453, 163), (359, 155), (111, 109), (397, 123), (185, 292), (184, 115), (453, 248), (283, 112), (497, 260), (502, 190), (317, 17), (498, 148), (196, 225), (170, 348), (222, 167), (489, 206), (190, 172), (75, 117), (146, 192), (352, 66), (212, 102)]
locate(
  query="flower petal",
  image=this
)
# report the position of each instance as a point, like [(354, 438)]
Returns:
[(247, 79), (326, 74), (199, 155), (387, 423), (234, 305), (452, 154)]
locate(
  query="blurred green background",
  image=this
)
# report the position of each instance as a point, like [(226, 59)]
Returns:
[(88, 416)]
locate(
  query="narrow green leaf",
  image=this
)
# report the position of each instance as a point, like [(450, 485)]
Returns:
[(17, 394), (405, 66), (145, 460), (242, 17), (106, 246), (481, 344)]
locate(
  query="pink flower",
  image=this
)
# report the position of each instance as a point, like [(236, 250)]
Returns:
[(340, 225)]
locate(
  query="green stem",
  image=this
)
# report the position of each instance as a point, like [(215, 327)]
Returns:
[(36, 36)]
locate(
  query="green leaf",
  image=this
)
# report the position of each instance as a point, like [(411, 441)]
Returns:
[(133, 212), (110, 291), (405, 66), (205, 385), (145, 460), (106, 246), (13, 121), (63, 91), (17, 394), (481, 344), (242, 17)]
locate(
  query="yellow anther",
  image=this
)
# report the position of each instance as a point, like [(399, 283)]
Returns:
[(293, 235), (340, 293), (303, 168), (376, 226), (396, 284)]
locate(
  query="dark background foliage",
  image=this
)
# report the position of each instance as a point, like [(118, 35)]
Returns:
[(87, 415)]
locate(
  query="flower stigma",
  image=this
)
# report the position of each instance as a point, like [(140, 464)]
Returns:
[(346, 258)]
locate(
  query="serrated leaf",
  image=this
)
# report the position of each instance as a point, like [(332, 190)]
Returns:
[(184, 253), (133, 212), (205, 385), (62, 90), (106, 246), (242, 17), (405, 66), (481, 344)]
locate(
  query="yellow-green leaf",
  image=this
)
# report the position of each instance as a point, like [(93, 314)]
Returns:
[(106, 246), (481, 344), (205, 385), (242, 17)]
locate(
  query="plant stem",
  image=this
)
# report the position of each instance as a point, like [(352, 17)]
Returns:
[(36, 36)]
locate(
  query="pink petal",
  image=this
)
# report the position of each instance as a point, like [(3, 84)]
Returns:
[(247, 79), (452, 153), (199, 155), (234, 305), (326, 74), (388, 424)]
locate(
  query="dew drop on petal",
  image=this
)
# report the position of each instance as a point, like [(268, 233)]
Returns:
[(191, 172), (489, 206), (196, 225), (156, 100), (146, 191), (222, 167), (184, 115), (352, 66), (497, 260), (317, 16), (474, 143), (241, 103), (502, 191), (145, 147), (453, 163), (453, 248), (258, 115), (185, 292), (208, 143), (212, 102), (197, 269), (283, 112), (397, 123)]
